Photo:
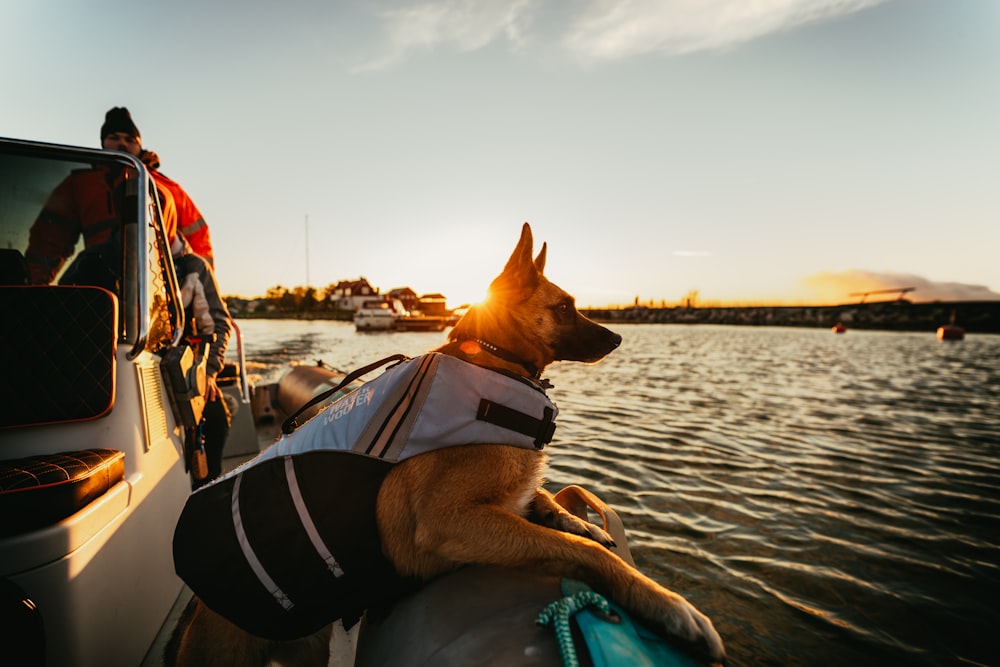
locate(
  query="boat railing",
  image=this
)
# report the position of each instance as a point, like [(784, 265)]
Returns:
[(241, 362)]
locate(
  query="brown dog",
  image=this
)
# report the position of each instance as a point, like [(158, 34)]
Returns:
[(484, 504)]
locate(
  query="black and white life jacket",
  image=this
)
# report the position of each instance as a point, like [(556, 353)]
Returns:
[(288, 542)]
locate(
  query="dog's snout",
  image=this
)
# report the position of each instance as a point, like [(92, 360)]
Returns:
[(616, 340)]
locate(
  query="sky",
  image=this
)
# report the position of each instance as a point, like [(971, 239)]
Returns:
[(776, 151)]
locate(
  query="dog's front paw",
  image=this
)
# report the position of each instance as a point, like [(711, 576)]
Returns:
[(684, 621), (596, 533), (570, 523)]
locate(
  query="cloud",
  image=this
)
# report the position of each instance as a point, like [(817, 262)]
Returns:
[(618, 29), (464, 25), (838, 287), (595, 30)]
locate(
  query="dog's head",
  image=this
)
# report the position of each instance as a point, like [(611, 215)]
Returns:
[(531, 318)]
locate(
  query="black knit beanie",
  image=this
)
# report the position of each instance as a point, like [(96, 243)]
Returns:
[(118, 119)]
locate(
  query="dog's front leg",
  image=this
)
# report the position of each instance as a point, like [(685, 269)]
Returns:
[(428, 528), (490, 535), (545, 511)]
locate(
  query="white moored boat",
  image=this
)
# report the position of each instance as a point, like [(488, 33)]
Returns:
[(379, 314)]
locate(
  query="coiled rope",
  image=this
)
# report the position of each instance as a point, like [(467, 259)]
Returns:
[(558, 614)]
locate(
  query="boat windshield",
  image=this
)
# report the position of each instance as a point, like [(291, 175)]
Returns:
[(69, 217)]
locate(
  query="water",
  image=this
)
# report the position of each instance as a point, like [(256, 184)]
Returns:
[(826, 499)]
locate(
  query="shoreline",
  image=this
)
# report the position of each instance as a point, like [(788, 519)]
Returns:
[(973, 316)]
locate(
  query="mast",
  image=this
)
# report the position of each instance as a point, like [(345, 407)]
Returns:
[(307, 251)]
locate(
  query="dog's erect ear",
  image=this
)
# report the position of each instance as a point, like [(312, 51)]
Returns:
[(540, 260), (520, 272)]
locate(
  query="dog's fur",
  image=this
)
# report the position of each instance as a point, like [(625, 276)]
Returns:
[(484, 504)]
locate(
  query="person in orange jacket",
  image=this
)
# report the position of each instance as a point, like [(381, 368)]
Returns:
[(120, 133), (189, 219)]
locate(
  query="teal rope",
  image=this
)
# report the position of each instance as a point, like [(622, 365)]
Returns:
[(558, 614)]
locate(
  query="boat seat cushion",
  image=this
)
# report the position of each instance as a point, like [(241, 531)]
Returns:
[(39, 491), (58, 354)]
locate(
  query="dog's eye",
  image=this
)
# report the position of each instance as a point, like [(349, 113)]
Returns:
[(564, 309)]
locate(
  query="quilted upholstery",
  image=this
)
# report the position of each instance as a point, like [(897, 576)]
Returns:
[(57, 351), (41, 490)]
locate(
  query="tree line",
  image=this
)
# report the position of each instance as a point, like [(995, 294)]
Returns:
[(297, 300)]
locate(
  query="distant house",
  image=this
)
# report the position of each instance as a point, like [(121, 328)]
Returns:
[(407, 296), (349, 294), (433, 304)]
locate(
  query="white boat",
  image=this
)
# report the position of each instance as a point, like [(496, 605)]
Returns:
[(418, 322), (92, 455), (379, 314)]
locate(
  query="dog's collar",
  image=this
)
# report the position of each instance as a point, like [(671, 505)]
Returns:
[(533, 373)]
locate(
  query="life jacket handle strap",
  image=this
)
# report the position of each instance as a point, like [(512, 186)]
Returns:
[(541, 430), (290, 424)]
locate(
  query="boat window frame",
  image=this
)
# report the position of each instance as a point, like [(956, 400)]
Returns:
[(148, 266)]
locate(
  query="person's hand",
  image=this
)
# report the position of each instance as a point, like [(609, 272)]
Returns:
[(150, 159), (212, 391)]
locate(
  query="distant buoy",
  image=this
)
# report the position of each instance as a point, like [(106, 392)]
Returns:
[(839, 328), (950, 332)]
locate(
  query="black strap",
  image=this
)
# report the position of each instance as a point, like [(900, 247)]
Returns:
[(290, 424), (541, 430)]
